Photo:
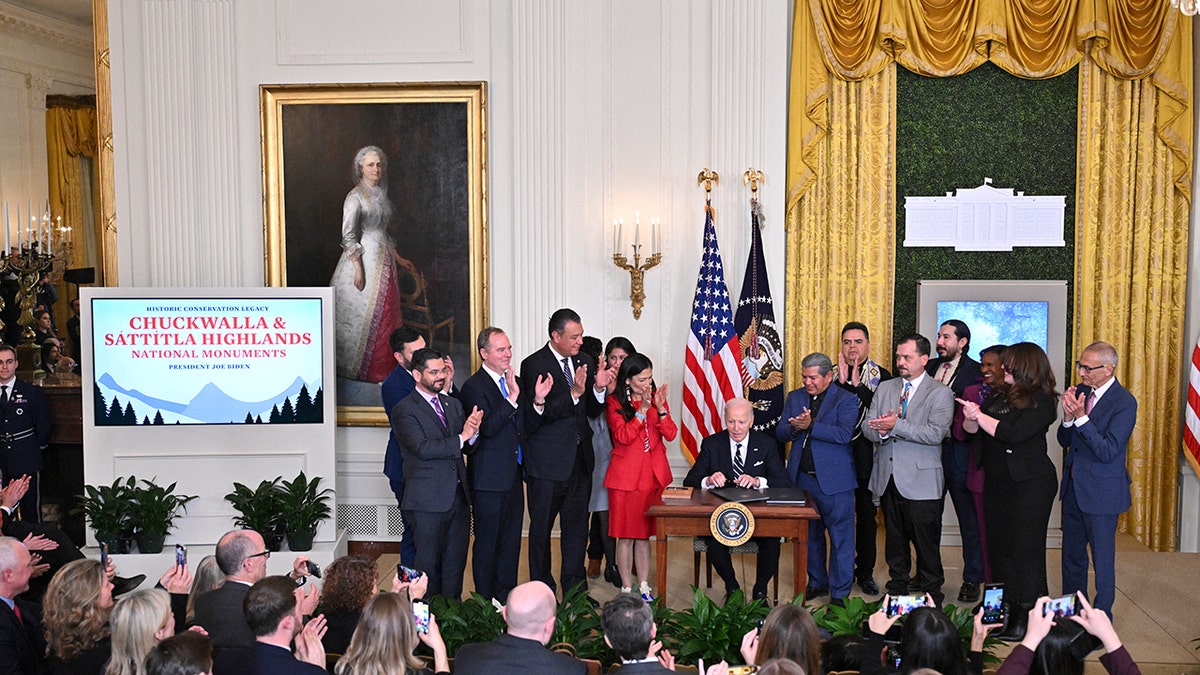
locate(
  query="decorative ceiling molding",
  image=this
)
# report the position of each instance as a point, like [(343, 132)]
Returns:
[(41, 28)]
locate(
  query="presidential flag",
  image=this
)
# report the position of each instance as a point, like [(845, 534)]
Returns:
[(1191, 413), (761, 345), (712, 371)]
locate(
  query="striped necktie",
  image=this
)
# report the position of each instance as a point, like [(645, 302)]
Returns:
[(437, 407), (567, 372), (739, 462)]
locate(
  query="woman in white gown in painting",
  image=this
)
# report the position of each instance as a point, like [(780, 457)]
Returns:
[(366, 292)]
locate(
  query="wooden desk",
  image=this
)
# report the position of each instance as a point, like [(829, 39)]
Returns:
[(689, 518)]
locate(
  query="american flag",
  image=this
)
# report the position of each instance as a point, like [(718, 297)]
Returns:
[(1191, 413), (712, 370)]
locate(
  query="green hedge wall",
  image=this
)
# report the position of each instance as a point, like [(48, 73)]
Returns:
[(953, 131)]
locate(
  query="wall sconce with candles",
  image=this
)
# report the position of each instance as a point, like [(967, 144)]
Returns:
[(637, 271)]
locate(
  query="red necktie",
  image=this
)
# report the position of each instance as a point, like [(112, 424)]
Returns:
[(17, 611)]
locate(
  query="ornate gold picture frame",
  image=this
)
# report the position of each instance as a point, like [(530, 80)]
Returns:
[(380, 191)]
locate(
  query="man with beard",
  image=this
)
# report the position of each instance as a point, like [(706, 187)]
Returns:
[(399, 384)]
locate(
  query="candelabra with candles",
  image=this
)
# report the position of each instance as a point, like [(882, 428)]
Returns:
[(40, 247), (637, 271)]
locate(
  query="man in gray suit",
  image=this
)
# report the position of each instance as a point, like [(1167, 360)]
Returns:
[(907, 420)]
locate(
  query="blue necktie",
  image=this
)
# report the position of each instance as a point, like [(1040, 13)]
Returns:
[(504, 391), (567, 372), (904, 400)]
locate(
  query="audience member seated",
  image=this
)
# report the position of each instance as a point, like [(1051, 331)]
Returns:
[(138, 622), (274, 614), (209, 577), (788, 632), (1054, 647), (22, 640), (50, 545), (629, 628), (522, 648), (386, 638), (349, 586), (54, 362), (843, 652), (781, 667), (242, 556), (75, 611), (928, 639), (189, 653), (43, 326)]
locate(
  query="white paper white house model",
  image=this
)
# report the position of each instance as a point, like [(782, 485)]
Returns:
[(984, 219)]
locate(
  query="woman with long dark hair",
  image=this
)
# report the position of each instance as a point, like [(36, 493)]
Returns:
[(638, 471), (788, 632), (1019, 479)]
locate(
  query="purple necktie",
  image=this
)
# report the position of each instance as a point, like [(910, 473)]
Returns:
[(437, 407)]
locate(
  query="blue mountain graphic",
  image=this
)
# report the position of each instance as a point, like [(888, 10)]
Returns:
[(210, 404)]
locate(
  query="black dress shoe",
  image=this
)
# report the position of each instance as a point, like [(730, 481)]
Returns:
[(1018, 621), (729, 594), (613, 576), (838, 602), (968, 592), (812, 593), (868, 586), (593, 602), (123, 585)]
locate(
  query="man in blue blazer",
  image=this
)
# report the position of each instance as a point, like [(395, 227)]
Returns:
[(433, 432), (396, 387), (820, 421), (494, 463), (1098, 419), (761, 467)]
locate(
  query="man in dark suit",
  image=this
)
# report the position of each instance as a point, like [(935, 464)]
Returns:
[(955, 369), (276, 619), (819, 421), (494, 463), (529, 614), (433, 432), (22, 639), (25, 426), (629, 628), (1098, 419), (242, 556), (749, 459), (858, 374), (396, 387), (558, 456), (907, 421)]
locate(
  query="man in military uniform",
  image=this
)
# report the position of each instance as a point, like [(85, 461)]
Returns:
[(24, 431)]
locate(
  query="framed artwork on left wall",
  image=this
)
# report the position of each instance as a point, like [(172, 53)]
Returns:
[(378, 190)]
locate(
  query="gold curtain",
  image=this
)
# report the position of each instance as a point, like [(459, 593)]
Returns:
[(1134, 179), (70, 132)]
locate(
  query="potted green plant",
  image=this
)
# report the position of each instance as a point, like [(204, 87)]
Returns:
[(108, 511), (714, 632), (304, 506), (260, 509), (154, 511)]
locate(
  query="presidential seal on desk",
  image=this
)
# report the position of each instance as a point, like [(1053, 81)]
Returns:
[(732, 524)]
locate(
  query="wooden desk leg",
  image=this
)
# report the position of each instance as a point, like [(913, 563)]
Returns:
[(800, 564), (662, 567)]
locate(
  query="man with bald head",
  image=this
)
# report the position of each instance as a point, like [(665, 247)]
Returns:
[(522, 648), (22, 643), (746, 458), (242, 556)]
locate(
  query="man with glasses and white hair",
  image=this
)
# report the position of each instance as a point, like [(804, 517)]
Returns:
[(242, 555), (1098, 419)]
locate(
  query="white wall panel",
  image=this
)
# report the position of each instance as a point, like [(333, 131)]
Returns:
[(374, 31)]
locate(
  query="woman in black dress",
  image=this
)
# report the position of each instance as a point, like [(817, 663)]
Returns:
[(1019, 478)]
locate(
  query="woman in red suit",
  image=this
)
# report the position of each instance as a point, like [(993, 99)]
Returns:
[(639, 470)]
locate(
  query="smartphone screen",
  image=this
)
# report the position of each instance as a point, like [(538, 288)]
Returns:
[(903, 604), (1067, 605), (407, 574), (993, 603), (181, 555), (421, 615), (104, 555)]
